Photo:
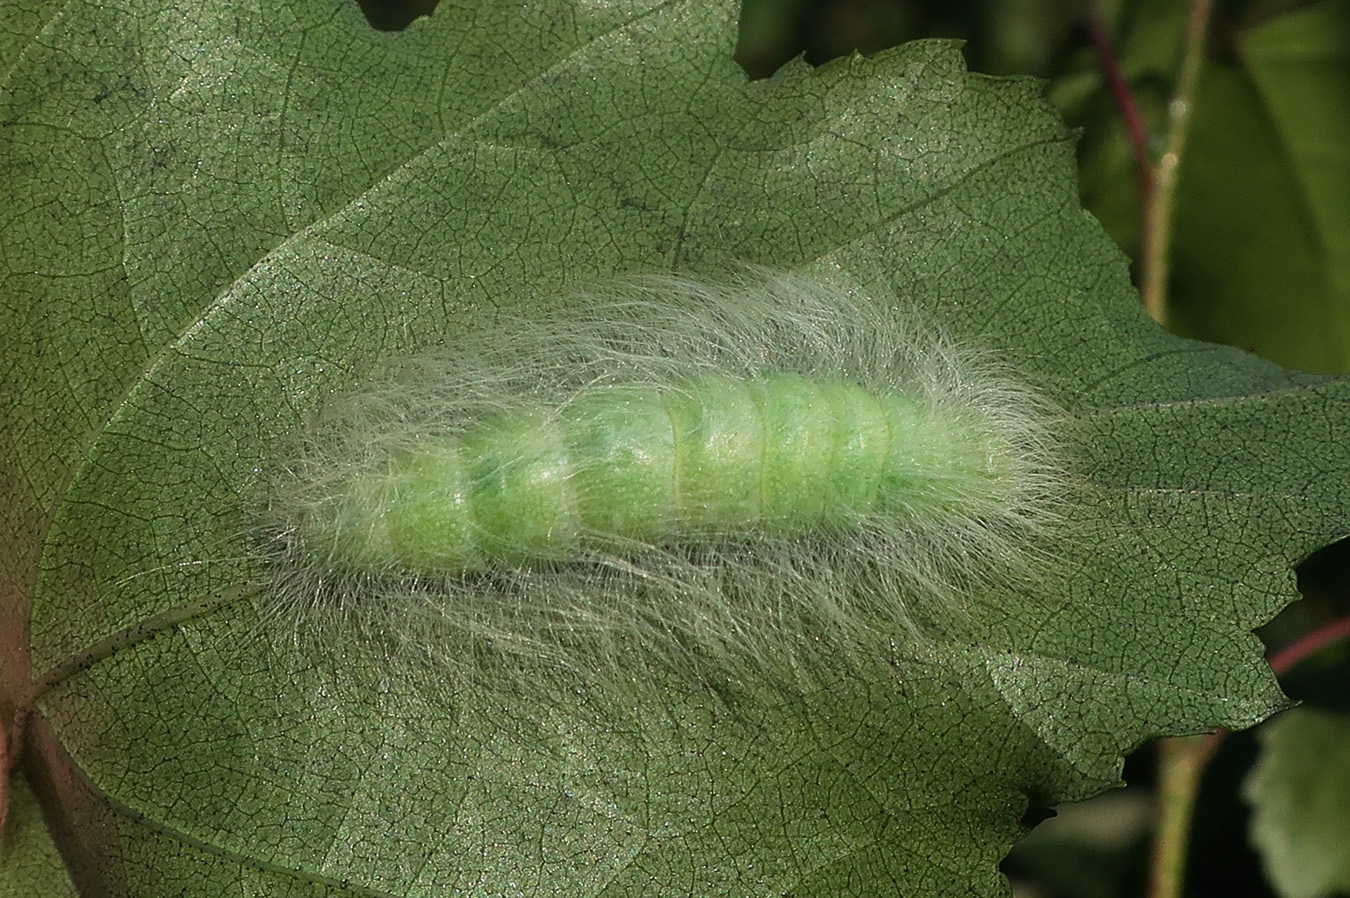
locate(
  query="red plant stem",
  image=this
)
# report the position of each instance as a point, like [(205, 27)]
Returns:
[(1282, 661), (1109, 61)]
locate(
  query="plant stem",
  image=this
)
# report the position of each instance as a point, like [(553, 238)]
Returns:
[(1159, 188), (1308, 644), (1121, 94), (1181, 763)]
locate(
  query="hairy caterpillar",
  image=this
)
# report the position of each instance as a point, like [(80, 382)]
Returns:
[(716, 475)]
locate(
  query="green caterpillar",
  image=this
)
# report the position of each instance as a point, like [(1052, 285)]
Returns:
[(709, 458), (713, 477)]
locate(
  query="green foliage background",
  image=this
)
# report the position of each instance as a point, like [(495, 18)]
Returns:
[(218, 221)]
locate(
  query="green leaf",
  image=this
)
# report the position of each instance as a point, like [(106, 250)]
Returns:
[(217, 222), (1300, 793), (30, 866)]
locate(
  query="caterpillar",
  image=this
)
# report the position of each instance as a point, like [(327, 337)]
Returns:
[(715, 476), (702, 460)]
